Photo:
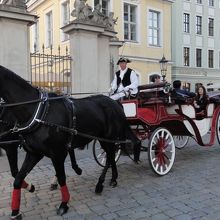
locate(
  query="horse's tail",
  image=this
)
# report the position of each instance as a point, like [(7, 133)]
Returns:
[(118, 125), (135, 141)]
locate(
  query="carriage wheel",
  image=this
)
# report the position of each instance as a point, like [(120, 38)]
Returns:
[(218, 128), (100, 155), (161, 151), (180, 141)]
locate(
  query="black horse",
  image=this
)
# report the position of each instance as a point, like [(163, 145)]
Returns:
[(47, 128), (10, 143)]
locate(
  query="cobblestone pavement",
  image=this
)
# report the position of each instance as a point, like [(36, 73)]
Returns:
[(190, 191)]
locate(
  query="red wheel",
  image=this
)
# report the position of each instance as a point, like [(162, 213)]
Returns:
[(218, 128), (161, 151)]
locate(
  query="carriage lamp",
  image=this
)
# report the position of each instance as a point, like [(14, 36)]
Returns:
[(163, 67)]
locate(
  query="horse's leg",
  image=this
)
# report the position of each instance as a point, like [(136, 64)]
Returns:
[(99, 185), (74, 164), (12, 155), (137, 151), (112, 162), (77, 169), (30, 161), (58, 163)]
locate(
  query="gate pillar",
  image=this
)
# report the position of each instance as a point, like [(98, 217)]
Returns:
[(14, 38), (90, 47)]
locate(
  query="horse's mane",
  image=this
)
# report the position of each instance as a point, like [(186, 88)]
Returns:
[(14, 77)]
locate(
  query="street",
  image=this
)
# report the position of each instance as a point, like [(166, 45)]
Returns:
[(190, 191)]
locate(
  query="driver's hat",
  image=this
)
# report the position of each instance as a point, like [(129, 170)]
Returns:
[(123, 59)]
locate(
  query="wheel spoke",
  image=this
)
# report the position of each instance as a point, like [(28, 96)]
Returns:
[(101, 155), (103, 160), (161, 151)]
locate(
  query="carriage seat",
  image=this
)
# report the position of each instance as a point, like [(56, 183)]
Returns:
[(189, 110), (210, 109)]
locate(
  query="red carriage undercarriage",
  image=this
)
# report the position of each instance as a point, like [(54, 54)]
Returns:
[(163, 119)]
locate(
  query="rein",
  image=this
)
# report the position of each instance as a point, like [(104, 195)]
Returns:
[(32, 101), (44, 98), (75, 132)]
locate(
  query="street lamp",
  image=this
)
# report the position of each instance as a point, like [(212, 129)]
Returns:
[(163, 67)]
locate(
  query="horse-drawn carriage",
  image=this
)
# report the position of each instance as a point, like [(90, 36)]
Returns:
[(49, 125), (166, 120)]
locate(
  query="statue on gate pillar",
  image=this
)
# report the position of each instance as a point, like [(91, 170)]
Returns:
[(82, 10), (15, 3), (84, 13)]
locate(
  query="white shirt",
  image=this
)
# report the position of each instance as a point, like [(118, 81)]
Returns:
[(133, 87)]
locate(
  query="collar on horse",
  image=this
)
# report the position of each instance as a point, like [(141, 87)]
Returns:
[(40, 112), (39, 115)]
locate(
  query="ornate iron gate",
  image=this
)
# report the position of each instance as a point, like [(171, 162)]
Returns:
[(52, 72)]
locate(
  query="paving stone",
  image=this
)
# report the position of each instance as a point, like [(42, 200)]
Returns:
[(190, 191)]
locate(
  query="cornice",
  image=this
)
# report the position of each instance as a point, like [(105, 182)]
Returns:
[(171, 1), (32, 4)]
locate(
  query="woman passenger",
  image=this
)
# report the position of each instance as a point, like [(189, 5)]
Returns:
[(201, 100)]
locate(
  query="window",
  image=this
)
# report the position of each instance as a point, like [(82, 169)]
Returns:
[(199, 1), (130, 24), (198, 57), (186, 22), (154, 28), (36, 36), (211, 3), (104, 4), (211, 58), (65, 17), (211, 27), (49, 29), (186, 56), (198, 24), (186, 86)]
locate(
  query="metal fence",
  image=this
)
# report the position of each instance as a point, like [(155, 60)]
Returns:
[(51, 72)]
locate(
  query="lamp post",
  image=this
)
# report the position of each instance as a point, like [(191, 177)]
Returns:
[(163, 67)]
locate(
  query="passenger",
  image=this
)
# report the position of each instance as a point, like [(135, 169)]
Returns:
[(201, 100), (125, 81), (156, 78), (182, 92)]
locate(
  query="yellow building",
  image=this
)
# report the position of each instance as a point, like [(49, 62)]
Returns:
[(143, 25)]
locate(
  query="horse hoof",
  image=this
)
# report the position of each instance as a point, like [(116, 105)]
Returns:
[(78, 170), (32, 189), (53, 187), (16, 217), (137, 161), (113, 183), (99, 189), (62, 209)]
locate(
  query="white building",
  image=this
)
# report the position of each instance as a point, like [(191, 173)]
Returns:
[(196, 42)]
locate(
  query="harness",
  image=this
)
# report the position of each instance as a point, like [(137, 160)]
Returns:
[(39, 119)]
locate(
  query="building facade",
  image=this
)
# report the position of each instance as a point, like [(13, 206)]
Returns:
[(195, 42), (144, 26)]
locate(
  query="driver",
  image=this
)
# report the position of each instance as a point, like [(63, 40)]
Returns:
[(125, 81)]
